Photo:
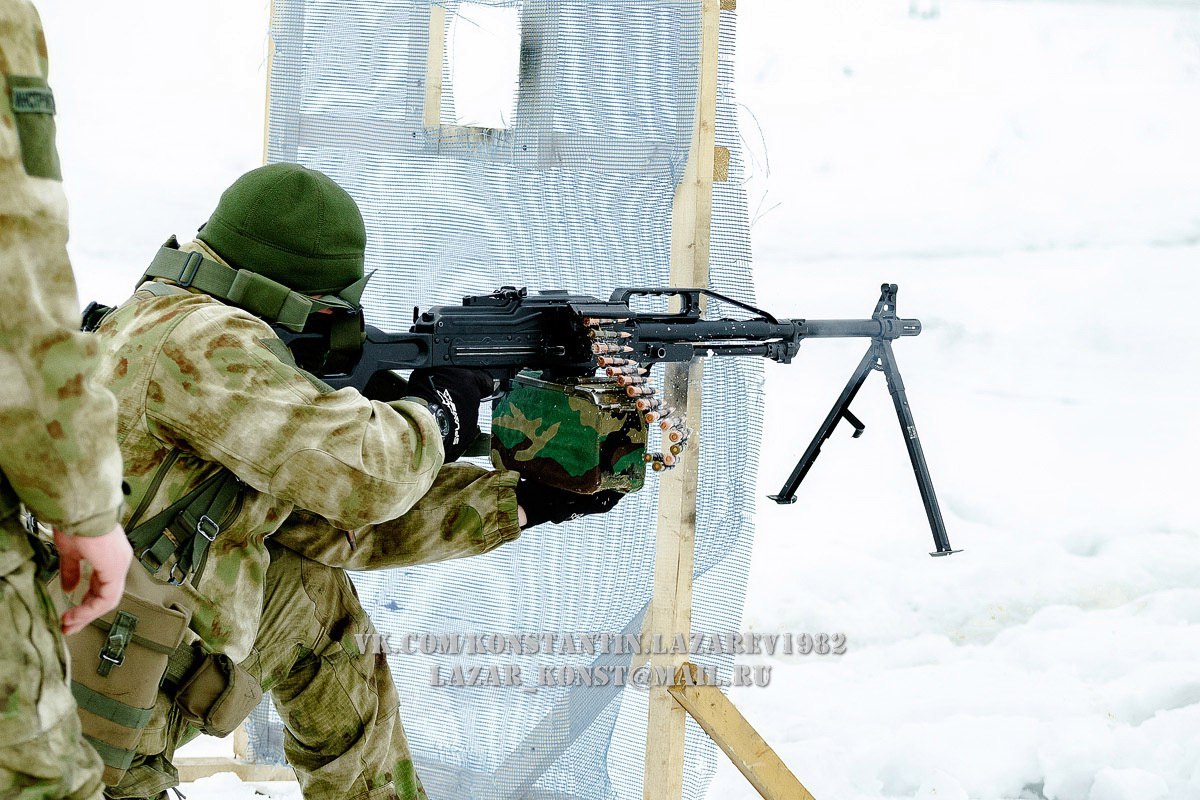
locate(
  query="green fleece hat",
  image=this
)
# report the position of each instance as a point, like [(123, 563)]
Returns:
[(291, 224)]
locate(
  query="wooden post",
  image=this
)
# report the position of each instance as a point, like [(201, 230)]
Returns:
[(721, 720), (670, 610), (267, 98), (433, 66), (193, 769), (241, 743)]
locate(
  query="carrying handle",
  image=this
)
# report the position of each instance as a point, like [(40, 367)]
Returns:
[(690, 300)]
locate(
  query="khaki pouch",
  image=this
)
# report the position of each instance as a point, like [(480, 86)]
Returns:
[(117, 664), (218, 695)]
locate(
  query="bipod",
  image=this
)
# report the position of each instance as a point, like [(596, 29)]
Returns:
[(879, 357)]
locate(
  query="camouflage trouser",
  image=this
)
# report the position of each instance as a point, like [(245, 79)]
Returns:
[(43, 754), (343, 733)]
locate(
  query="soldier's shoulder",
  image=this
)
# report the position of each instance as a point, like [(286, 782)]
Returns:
[(209, 313), (224, 336), (215, 338), (181, 317)]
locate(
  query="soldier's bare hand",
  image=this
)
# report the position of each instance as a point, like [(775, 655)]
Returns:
[(109, 556)]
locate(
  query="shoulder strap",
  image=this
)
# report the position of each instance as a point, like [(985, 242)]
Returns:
[(256, 293), (187, 527), (156, 289)]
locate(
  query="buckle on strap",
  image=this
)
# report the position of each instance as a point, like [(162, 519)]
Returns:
[(149, 560), (187, 273), (177, 576), (206, 524), (112, 654)]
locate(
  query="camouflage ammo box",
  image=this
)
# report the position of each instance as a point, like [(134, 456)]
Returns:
[(578, 434)]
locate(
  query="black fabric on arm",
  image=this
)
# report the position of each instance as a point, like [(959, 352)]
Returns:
[(547, 504), (453, 395)]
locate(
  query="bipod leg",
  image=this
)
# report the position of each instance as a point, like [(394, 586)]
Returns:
[(916, 453), (840, 410)]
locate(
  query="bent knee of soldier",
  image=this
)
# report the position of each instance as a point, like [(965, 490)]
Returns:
[(316, 592), (312, 611), (342, 729)]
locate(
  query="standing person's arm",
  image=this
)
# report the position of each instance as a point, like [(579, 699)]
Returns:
[(57, 428)]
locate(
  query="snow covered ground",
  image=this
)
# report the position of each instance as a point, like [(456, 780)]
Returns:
[(1064, 642), (1027, 172)]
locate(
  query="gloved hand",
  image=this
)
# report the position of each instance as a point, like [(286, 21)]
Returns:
[(386, 386), (453, 395), (544, 503)]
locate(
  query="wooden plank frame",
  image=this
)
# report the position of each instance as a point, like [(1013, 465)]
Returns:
[(435, 86), (267, 93), (721, 720), (433, 66), (193, 769), (670, 609)]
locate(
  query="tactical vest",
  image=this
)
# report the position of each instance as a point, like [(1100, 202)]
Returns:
[(122, 661)]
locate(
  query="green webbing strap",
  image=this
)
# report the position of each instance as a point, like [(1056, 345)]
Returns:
[(116, 757), (112, 710), (196, 519), (112, 654), (141, 641), (256, 293), (150, 541), (179, 665), (203, 518)]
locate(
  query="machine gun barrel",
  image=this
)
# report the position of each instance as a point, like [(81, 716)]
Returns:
[(777, 340), (683, 340), (885, 328)]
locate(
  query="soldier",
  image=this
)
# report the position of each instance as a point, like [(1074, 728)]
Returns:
[(58, 453), (335, 480)]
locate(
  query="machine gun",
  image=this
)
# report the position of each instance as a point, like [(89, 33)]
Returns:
[(574, 403)]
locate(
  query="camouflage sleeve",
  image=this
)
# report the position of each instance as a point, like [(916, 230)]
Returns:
[(218, 389), (58, 449), (467, 511)]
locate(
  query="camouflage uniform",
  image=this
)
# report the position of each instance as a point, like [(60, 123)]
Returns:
[(57, 445), (335, 480)]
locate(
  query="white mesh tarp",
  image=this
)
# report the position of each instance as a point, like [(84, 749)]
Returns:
[(575, 194)]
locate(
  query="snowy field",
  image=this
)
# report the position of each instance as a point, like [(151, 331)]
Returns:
[(1027, 172)]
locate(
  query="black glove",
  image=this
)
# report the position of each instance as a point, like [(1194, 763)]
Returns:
[(386, 386), (544, 503), (453, 395)]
